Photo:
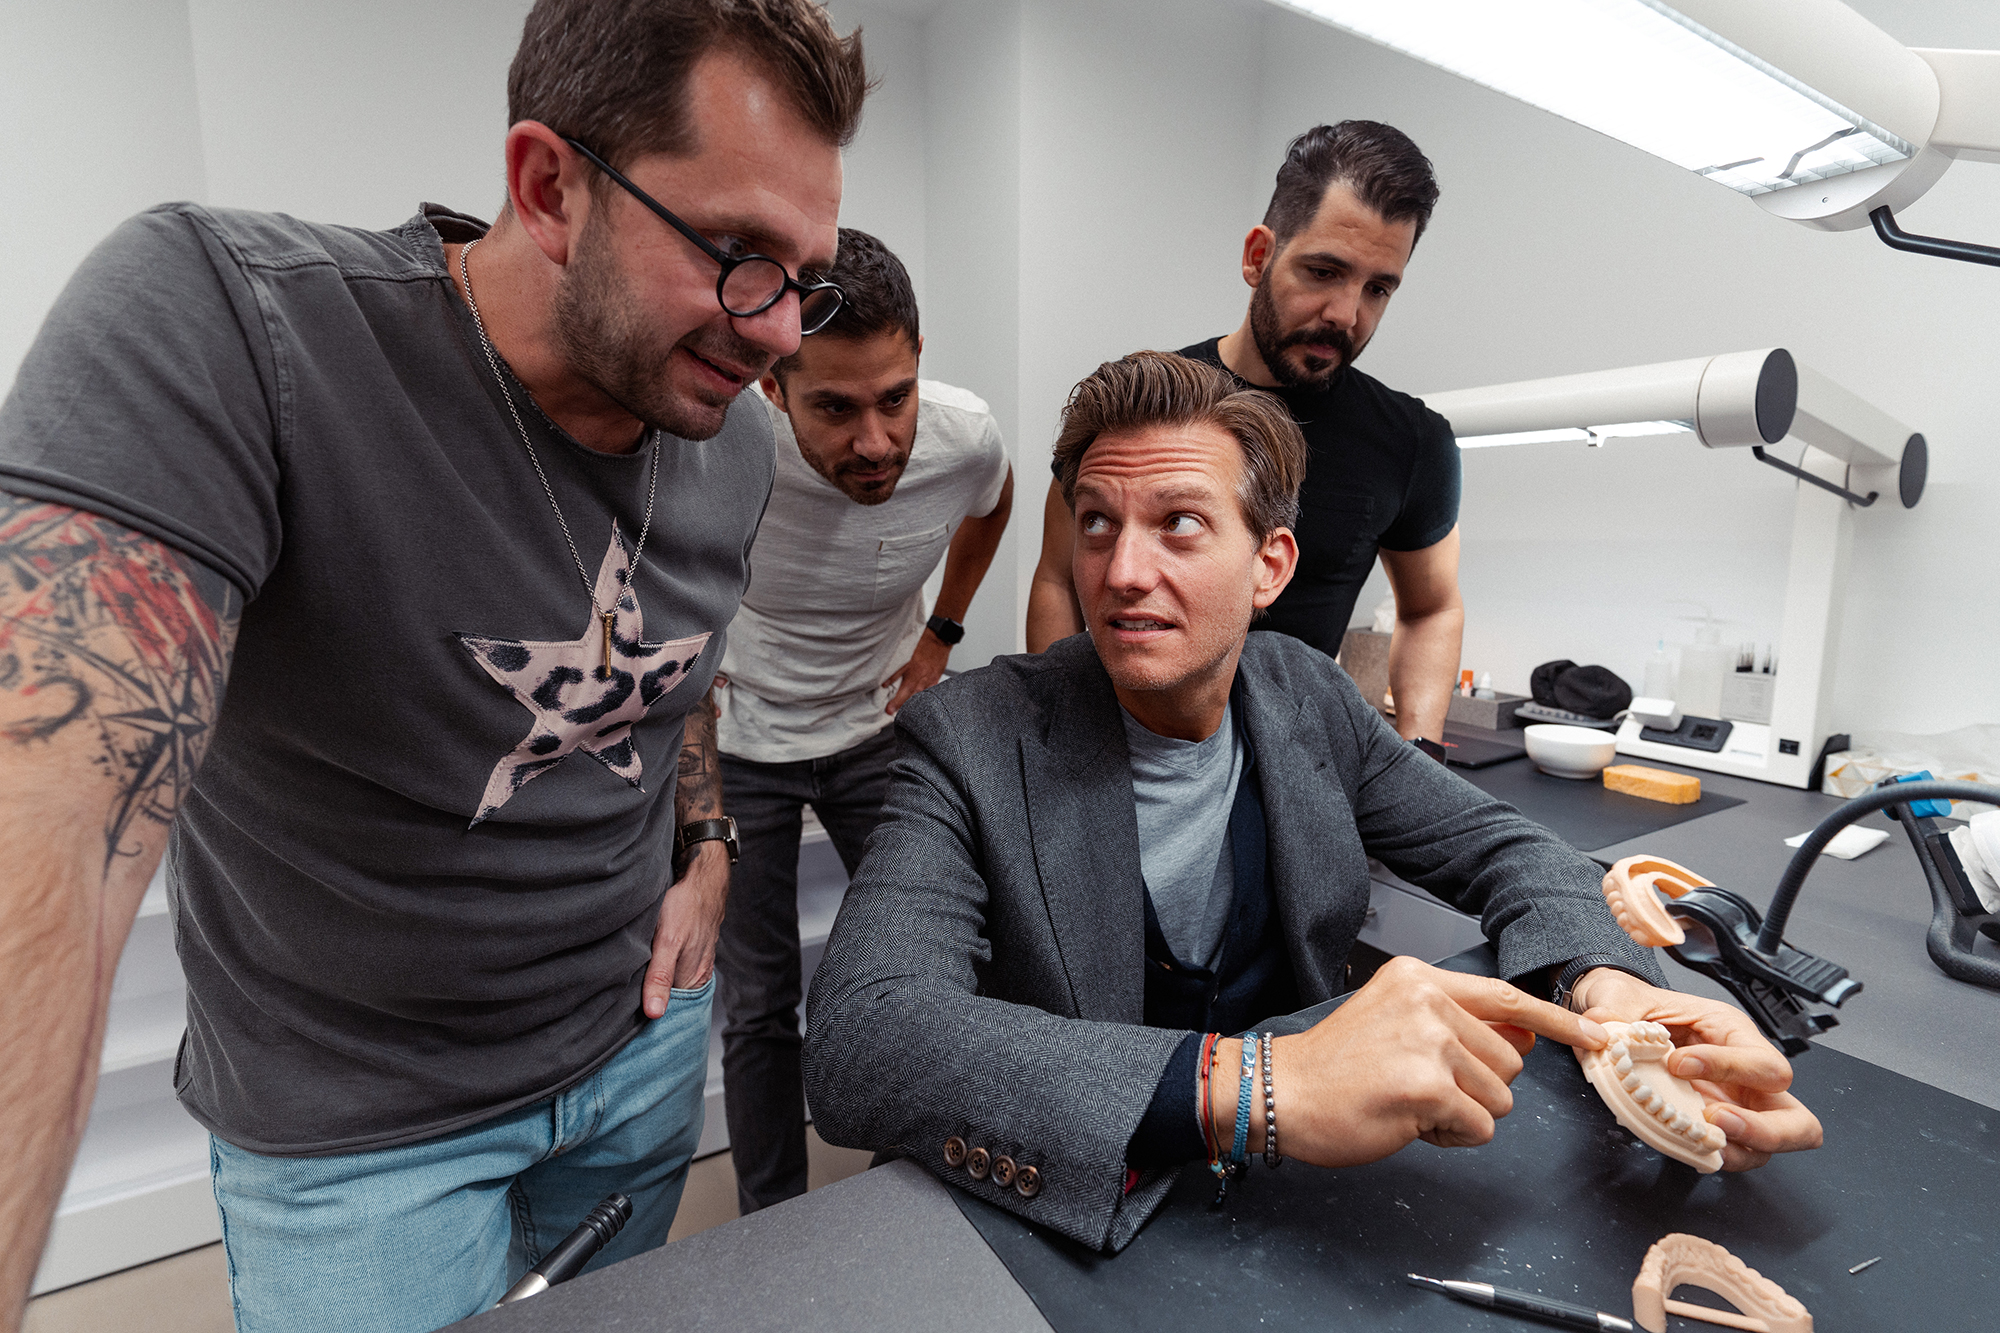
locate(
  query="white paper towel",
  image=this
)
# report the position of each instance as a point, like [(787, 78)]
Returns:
[(1847, 844)]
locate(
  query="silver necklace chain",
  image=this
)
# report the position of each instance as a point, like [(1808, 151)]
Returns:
[(652, 475)]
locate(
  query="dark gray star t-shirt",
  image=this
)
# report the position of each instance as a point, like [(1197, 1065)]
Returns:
[(415, 882)]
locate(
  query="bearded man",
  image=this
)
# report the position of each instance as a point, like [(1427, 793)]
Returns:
[(1383, 477)]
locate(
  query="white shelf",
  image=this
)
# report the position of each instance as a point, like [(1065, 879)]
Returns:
[(144, 1030), (134, 1143)]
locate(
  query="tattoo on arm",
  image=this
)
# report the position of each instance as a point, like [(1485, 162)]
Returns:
[(699, 794), (108, 634)]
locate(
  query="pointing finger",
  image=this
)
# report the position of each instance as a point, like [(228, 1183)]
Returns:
[(1492, 1000)]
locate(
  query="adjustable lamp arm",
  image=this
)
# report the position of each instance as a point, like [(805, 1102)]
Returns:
[(1891, 234)]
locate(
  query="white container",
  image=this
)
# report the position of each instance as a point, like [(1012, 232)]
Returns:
[(1659, 673), (1570, 752)]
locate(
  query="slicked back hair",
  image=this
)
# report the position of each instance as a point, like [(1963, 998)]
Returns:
[(614, 74), (1154, 389), (1386, 171), (879, 297)]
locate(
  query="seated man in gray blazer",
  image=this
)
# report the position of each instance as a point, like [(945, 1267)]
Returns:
[(1094, 859)]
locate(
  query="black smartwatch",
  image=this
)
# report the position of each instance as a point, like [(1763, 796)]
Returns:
[(948, 631), (1431, 748), (721, 830)]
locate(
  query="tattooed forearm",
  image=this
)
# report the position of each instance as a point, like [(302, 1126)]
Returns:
[(106, 633), (699, 794)]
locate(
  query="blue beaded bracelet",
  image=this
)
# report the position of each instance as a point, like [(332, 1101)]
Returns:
[(1239, 1151)]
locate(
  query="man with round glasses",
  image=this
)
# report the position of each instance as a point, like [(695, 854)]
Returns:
[(459, 515)]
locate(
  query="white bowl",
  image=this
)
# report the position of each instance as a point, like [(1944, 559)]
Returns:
[(1570, 752)]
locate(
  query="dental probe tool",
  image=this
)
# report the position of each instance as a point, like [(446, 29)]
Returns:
[(1521, 1302)]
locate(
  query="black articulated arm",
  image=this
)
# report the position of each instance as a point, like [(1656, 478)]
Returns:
[(1936, 246)]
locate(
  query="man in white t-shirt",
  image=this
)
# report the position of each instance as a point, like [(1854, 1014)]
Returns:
[(879, 475)]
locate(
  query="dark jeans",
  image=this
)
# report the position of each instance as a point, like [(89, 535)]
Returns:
[(757, 958)]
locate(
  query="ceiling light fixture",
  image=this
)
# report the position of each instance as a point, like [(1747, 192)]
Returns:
[(1804, 105)]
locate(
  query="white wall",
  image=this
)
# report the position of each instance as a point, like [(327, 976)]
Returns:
[(971, 310), (1133, 171), (883, 188), (1062, 224), (99, 99)]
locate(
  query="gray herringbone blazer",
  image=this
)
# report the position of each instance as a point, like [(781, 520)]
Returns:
[(984, 981)]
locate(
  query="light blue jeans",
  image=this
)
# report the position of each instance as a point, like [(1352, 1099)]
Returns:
[(409, 1239)]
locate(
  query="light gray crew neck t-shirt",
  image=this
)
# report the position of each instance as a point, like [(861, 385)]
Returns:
[(1184, 792), (415, 881), (836, 596)]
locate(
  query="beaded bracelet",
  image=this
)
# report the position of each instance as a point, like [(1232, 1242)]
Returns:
[(1239, 1155), (1272, 1157)]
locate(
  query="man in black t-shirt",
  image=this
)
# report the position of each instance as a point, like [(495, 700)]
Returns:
[(1383, 476)]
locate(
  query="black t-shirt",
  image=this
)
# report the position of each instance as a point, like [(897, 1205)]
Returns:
[(1383, 473)]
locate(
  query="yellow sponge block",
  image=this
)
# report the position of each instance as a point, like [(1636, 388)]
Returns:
[(1653, 784)]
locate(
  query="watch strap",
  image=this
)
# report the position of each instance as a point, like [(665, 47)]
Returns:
[(1563, 993), (1431, 748), (722, 830), (948, 631)]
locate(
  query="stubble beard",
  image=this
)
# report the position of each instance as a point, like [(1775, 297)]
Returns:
[(1140, 677), (1272, 343), (608, 341), (837, 475)]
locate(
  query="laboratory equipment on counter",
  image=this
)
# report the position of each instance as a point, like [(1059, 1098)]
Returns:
[(1659, 678), (1703, 663), (1851, 454)]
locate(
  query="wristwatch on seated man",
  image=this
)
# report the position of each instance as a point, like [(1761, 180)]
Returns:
[(721, 830)]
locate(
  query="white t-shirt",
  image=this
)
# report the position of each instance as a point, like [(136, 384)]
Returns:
[(836, 596)]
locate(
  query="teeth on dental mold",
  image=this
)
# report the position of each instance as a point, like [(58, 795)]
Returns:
[(1644, 1095), (1631, 1082), (1624, 1065)]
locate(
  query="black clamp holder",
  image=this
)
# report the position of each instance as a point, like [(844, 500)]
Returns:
[(1772, 985)]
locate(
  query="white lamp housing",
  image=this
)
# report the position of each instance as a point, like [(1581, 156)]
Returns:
[(1738, 399), (1803, 104)]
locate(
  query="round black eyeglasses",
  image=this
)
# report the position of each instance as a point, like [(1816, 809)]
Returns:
[(748, 284)]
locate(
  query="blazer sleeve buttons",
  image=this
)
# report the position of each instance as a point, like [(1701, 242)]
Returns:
[(1003, 1171), (1027, 1182), (977, 1163), (954, 1151)]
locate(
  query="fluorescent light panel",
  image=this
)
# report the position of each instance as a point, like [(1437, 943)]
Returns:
[(1623, 430), (1639, 71)]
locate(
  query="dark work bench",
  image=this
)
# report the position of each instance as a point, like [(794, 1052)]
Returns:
[(1915, 1178)]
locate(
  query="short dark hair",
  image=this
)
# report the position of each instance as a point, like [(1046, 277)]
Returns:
[(877, 291), (1148, 389), (1386, 171), (613, 74)]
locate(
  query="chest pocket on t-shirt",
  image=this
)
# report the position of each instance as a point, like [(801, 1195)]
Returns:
[(903, 563), (1335, 532)]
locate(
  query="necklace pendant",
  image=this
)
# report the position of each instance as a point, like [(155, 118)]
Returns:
[(606, 673)]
